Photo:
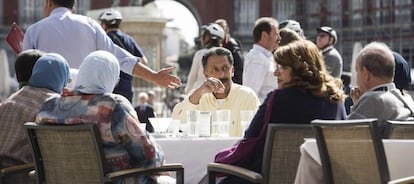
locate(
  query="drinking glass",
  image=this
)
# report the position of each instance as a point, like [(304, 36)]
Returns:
[(221, 123), (204, 124), (193, 119)]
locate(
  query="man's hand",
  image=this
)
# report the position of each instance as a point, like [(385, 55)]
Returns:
[(210, 85), (355, 94), (164, 78)]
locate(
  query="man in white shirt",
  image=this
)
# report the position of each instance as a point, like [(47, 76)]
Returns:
[(259, 63), (75, 36), (218, 92)]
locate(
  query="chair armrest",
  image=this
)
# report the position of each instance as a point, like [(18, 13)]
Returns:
[(17, 169), (178, 168), (405, 180), (214, 168)]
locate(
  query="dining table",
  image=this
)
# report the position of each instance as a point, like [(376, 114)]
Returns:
[(194, 153), (397, 151)]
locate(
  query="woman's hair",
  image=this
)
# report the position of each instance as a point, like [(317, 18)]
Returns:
[(288, 35), (208, 41), (308, 70)]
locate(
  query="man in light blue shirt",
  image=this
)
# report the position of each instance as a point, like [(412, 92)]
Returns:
[(75, 36)]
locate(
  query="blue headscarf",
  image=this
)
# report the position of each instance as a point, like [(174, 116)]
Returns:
[(51, 71), (98, 73)]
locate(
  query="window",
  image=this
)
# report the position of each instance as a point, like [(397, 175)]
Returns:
[(245, 12), (30, 11), (357, 11), (335, 13), (81, 6), (402, 11), (284, 9)]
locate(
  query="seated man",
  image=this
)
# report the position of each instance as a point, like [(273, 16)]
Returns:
[(125, 144), (50, 74), (218, 91), (145, 111), (376, 95)]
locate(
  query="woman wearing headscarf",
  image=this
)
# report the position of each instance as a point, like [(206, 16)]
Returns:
[(305, 92), (49, 76), (125, 144)]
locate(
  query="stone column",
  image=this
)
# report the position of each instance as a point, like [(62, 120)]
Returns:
[(146, 26)]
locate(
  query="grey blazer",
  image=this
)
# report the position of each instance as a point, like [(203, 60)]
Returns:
[(383, 105)]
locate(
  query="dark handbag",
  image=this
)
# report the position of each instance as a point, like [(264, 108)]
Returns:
[(241, 153)]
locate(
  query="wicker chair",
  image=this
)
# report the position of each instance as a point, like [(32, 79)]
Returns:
[(400, 129), (351, 151), (280, 159), (7, 172), (74, 154)]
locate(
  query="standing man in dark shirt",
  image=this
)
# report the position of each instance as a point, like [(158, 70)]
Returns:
[(236, 50), (110, 21)]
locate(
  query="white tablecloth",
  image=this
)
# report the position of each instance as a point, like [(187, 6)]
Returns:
[(193, 153), (398, 152)]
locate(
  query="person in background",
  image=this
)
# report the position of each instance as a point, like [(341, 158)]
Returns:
[(402, 74), (145, 111), (124, 143), (151, 97), (110, 22), (218, 91), (376, 95), (292, 25), (346, 81), (82, 35), (212, 35), (24, 65), (287, 36), (236, 50), (258, 63), (306, 92), (73, 76), (48, 78), (326, 38)]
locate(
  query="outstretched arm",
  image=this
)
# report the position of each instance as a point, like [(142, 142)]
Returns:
[(162, 77)]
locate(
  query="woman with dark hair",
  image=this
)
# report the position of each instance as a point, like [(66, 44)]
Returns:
[(287, 36), (305, 92)]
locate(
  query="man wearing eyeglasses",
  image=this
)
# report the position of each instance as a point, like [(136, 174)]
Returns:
[(325, 40)]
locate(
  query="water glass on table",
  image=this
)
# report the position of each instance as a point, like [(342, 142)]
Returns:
[(193, 119), (221, 123), (204, 125)]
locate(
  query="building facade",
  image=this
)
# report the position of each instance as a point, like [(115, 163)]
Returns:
[(356, 21)]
